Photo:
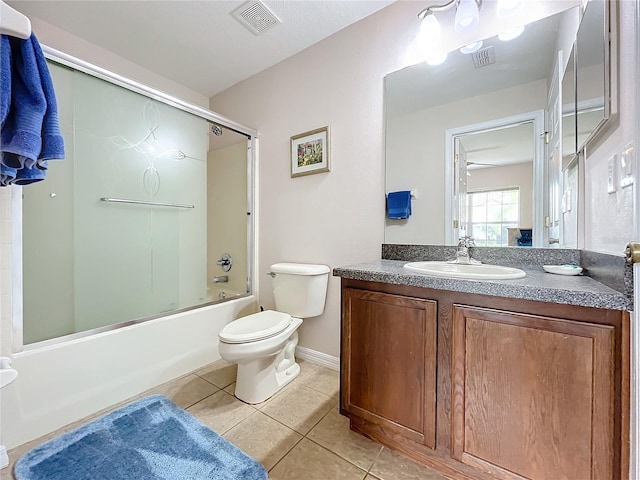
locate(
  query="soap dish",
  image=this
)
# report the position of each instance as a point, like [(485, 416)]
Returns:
[(563, 269)]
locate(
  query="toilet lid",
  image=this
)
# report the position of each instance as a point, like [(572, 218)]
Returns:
[(255, 327)]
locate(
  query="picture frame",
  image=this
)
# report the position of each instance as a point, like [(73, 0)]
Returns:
[(310, 152)]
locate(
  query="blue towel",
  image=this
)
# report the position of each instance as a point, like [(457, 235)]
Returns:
[(30, 129), (399, 204), (5, 78)]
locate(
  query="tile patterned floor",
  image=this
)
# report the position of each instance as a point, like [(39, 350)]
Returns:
[(296, 434)]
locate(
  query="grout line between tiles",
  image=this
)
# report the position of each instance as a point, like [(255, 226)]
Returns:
[(202, 399), (375, 459), (288, 451), (366, 472)]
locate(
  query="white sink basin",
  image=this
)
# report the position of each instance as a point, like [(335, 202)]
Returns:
[(459, 270)]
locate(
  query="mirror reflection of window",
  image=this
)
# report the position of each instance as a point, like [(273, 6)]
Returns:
[(491, 213), (499, 178)]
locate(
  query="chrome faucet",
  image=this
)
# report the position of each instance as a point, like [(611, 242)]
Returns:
[(463, 254)]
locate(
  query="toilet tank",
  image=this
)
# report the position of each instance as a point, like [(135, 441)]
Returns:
[(300, 289)]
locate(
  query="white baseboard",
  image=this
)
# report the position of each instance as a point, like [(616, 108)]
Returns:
[(4, 459), (320, 358)]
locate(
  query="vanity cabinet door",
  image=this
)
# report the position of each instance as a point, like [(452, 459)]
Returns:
[(532, 396), (389, 363)]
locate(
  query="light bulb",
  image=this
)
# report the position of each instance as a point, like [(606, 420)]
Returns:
[(509, 7), (466, 15), (429, 29), (511, 34), (436, 58), (472, 47)]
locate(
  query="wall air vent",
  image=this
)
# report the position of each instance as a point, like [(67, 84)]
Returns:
[(484, 57), (256, 16)]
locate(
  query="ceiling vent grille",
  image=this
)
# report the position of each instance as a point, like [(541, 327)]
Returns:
[(484, 57), (256, 16)]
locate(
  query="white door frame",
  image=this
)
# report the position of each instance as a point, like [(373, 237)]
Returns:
[(537, 118)]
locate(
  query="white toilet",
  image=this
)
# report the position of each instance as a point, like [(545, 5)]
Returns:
[(263, 344)]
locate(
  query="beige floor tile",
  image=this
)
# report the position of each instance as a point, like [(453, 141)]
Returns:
[(333, 433), (263, 438), (306, 367), (221, 411), (371, 477), (309, 461), (221, 373), (185, 391), (322, 379), (299, 407), (393, 466)]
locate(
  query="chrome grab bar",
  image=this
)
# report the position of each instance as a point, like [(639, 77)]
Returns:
[(144, 202)]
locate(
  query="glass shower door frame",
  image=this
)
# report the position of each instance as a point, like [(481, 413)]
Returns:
[(62, 58)]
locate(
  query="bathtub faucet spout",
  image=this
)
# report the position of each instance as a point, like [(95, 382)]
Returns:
[(221, 279)]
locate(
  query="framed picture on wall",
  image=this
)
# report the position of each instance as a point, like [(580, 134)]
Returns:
[(310, 152)]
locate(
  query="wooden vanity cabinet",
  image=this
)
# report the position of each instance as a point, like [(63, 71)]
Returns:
[(481, 387), (389, 375), (533, 396)]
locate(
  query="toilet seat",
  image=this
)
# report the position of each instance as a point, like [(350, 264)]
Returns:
[(257, 326)]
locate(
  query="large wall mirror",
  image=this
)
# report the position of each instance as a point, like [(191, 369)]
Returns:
[(467, 137)]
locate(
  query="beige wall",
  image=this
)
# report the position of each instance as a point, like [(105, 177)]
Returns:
[(333, 218), (227, 216)]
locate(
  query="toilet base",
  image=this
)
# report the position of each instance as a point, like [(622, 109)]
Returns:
[(261, 378)]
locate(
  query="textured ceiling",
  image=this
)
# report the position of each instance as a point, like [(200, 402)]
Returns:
[(199, 44)]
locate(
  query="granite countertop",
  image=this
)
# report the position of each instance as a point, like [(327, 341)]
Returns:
[(537, 285)]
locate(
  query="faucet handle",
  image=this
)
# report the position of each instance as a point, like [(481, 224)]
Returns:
[(466, 241), (225, 262)]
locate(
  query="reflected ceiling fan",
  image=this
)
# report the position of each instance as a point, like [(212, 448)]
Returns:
[(483, 164), (480, 164)]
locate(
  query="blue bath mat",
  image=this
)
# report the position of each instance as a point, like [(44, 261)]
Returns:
[(150, 439)]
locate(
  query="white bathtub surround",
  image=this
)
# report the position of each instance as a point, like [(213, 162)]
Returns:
[(62, 383), (8, 374)]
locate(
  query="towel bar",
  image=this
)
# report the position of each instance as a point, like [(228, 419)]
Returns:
[(144, 202)]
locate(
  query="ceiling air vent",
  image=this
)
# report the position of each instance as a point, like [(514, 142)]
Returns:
[(484, 57), (256, 16)]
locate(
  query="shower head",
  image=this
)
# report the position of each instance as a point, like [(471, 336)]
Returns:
[(216, 129)]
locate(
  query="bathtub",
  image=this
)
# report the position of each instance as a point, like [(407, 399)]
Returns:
[(65, 382)]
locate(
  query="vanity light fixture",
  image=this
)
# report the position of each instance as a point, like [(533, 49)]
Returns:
[(467, 17)]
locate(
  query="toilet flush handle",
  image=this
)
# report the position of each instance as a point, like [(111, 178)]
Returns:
[(271, 274)]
